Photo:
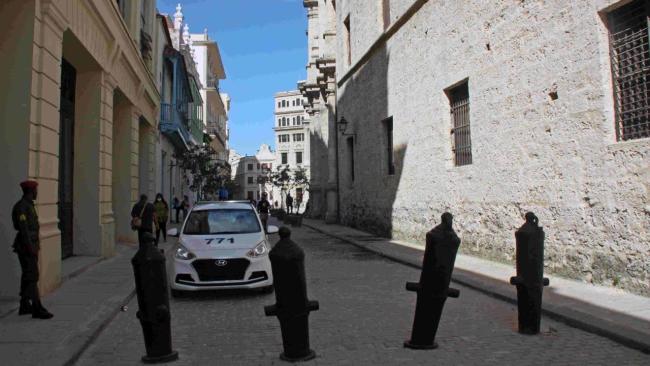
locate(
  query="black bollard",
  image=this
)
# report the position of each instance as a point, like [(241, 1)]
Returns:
[(153, 302), (530, 280), (291, 304), (433, 288)]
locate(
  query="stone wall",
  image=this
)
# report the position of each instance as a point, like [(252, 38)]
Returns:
[(556, 157)]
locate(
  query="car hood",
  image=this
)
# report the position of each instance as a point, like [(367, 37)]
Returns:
[(202, 243)]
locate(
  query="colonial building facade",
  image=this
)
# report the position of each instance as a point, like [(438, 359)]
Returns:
[(215, 105), (292, 141), (250, 174), (78, 113), (182, 106), (502, 108), (319, 95)]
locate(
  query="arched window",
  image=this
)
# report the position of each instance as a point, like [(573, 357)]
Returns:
[(284, 103), (279, 122), (283, 121), (279, 104)]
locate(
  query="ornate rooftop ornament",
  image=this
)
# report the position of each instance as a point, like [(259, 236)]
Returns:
[(178, 17)]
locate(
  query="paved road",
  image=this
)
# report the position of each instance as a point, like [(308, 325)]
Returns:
[(365, 316)]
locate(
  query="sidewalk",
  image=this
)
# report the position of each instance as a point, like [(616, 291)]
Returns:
[(609, 312), (83, 306)]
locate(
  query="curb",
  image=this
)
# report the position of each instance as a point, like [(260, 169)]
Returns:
[(584, 321), (96, 333)]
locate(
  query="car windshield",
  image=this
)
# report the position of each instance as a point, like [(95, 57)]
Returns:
[(206, 222)]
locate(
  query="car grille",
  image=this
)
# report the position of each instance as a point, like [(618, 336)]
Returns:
[(208, 270)]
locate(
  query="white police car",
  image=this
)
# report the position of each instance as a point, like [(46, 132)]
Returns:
[(221, 245)]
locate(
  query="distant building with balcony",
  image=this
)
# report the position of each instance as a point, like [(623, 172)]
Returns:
[(216, 105), (292, 140)]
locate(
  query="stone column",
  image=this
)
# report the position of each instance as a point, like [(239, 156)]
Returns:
[(89, 98), (44, 138), (332, 182), (107, 221), (124, 174)]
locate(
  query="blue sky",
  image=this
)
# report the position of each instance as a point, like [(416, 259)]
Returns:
[(264, 50)]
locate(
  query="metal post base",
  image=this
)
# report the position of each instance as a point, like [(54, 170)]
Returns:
[(309, 356), (410, 345), (161, 359)]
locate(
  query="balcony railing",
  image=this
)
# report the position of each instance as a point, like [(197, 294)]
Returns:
[(166, 113)]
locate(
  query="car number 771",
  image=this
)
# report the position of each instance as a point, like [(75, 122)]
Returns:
[(219, 240)]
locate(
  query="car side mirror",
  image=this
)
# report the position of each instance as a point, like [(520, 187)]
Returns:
[(172, 232), (272, 229)]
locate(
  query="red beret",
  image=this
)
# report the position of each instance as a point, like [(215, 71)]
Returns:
[(28, 184)]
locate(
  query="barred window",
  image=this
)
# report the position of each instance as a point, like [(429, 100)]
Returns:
[(388, 140), (460, 131), (630, 58)]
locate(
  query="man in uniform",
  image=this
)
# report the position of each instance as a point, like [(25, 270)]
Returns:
[(26, 246), (263, 207)]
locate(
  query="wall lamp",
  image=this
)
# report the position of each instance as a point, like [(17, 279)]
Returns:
[(343, 125)]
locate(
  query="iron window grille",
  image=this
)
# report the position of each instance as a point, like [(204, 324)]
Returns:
[(630, 58), (460, 131)]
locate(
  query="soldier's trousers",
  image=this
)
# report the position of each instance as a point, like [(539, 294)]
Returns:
[(29, 277)]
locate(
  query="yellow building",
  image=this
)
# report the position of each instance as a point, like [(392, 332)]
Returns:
[(78, 112)]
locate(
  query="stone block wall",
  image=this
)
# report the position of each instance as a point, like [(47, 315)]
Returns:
[(556, 157)]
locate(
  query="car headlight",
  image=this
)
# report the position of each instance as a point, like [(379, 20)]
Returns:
[(259, 250), (183, 253)]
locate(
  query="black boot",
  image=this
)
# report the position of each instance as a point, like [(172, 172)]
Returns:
[(39, 312), (25, 307)]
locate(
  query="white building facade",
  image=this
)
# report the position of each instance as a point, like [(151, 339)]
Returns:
[(292, 141), (216, 105), (250, 173)]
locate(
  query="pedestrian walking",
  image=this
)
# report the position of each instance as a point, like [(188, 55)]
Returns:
[(185, 206), (26, 246), (176, 204), (263, 207), (142, 217), (223, 194), (289, 202), (161, 209)]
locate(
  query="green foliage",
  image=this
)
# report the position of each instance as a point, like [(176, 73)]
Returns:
[(208, 173)]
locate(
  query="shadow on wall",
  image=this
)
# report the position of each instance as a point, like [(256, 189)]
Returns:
[(319, 174), (370, 161)]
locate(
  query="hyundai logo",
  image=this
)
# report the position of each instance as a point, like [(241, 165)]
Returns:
[(221, 262)]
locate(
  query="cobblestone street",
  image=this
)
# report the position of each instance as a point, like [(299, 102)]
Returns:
[(365, 316)]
